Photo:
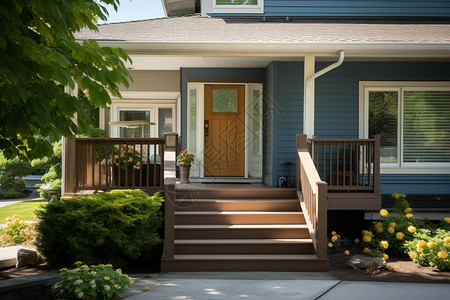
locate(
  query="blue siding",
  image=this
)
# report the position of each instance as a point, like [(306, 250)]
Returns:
[(209, 73), (337, 111), (358, 8), (287, 116), (269, 91)]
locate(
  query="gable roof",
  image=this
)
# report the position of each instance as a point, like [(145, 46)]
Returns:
[(195, 33)]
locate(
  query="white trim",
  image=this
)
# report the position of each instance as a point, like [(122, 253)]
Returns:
[(131, 95), (237, 9), (308, 96), (400, 86)]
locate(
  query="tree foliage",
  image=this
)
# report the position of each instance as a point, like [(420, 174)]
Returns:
[(39, 58)]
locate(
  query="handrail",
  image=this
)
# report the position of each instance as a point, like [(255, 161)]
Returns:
[(112, 163), (312, 193)]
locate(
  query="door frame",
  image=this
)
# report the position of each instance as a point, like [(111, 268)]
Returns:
[(197, 170)]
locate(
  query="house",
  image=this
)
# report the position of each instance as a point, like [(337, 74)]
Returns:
[(366, 82)]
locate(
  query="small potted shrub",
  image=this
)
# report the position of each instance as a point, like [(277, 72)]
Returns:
[(185, 160)]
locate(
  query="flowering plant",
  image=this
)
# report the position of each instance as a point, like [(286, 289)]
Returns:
[(185, 158), (18, 232), (127, 156), (92, 282), (333, 242)]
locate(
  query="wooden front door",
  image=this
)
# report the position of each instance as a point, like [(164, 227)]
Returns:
[(224, 131)]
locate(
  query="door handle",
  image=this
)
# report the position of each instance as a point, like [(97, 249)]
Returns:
[(206, 130)]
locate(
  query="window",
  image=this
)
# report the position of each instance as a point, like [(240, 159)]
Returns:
[(238, 6), (413, 120), (134, 131)]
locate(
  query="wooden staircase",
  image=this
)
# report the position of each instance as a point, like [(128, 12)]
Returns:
[(245, 229)]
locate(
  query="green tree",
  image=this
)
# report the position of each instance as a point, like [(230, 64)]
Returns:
[(39, 57)]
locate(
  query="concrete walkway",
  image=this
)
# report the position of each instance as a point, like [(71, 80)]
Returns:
[(6, 202), (274, 285)]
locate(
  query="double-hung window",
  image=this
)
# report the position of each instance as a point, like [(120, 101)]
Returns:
[(413, 119), (238, 6)]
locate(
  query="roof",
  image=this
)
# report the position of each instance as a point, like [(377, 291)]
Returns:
[(193, 33)]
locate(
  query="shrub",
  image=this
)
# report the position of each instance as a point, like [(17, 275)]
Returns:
[(11, 186), (53, 177), (18, 232), (16, 167), (94, 282), (396, 227), (116, 227), (430, 248)]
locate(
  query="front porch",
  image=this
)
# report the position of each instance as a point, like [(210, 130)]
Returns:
[(246, 226)]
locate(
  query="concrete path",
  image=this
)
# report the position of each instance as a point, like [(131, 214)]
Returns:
[(6, 202), (274, 285)]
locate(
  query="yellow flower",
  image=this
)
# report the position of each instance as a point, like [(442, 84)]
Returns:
[(402, 195), (400, 235), (367, 239), (80, 295), (442, 254), (409, 216), (447, 219), (63, 269), (447, 239), (412, 229), (391, 230), (379, 229), (395, 195), (421, 243), (346, 252), (446, 245), (367, 250), (385, 256), (330, 245), (384, 244), (383, 213), (368, 233), (107, 287), (431, 245), (408, 210), (106, 278), (146, 288), (412, 254), (333, 233), (334, 238), (78, 263), (393, 225), (378, 224)]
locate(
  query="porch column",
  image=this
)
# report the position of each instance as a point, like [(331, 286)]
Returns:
[(308, 96)]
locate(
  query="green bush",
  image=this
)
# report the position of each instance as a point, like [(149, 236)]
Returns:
[(115, 227), (17, 167), (11, 186), (53, 176), (430, 248)]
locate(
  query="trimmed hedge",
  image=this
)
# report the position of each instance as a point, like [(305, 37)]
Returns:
[(115, 227)]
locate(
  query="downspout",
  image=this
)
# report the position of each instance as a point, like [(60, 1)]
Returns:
[(309, 95)]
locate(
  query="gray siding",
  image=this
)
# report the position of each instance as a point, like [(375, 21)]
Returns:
[(337, 111), (358, 8), (154, 81)]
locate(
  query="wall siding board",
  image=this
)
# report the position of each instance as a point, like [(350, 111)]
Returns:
[(337, 111), (358, 8), (268, 126)]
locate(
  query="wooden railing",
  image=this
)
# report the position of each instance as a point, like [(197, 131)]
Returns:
[(348, 164), (117, 163), (312, 192)]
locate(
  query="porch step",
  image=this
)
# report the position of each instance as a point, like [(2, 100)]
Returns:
[(237, 217), (250, 262), (237, 205), (218, 191), (244, 246), (261, 231)]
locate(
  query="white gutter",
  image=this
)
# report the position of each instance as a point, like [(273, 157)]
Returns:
[(308, 91)]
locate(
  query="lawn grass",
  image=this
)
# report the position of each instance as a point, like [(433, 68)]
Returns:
[(25, 210)]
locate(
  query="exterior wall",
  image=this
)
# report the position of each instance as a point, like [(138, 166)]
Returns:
[(154, 81), (205, 73), (358, 8), (337, 111), (283, 118)]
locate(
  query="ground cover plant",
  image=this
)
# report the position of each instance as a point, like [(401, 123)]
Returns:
[(91, 282), (117, 227)]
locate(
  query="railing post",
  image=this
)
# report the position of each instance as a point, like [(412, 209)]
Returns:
[(169, 218), (376, 165), (301, 143), (69, 166), (321, 230)]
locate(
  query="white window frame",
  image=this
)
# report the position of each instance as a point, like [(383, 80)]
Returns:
[(237, 9), (401, 167)]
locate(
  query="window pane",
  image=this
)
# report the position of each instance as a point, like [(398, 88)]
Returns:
[(164, 121), (383, 120), (236, 2), (192, 126), (134, 115), (256, 121), (224, 101), (426, 126)]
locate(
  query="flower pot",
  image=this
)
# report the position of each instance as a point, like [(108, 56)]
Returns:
[(184, 170)]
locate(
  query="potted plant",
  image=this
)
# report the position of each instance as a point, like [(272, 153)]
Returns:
[(185, 160), (127, 160)]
